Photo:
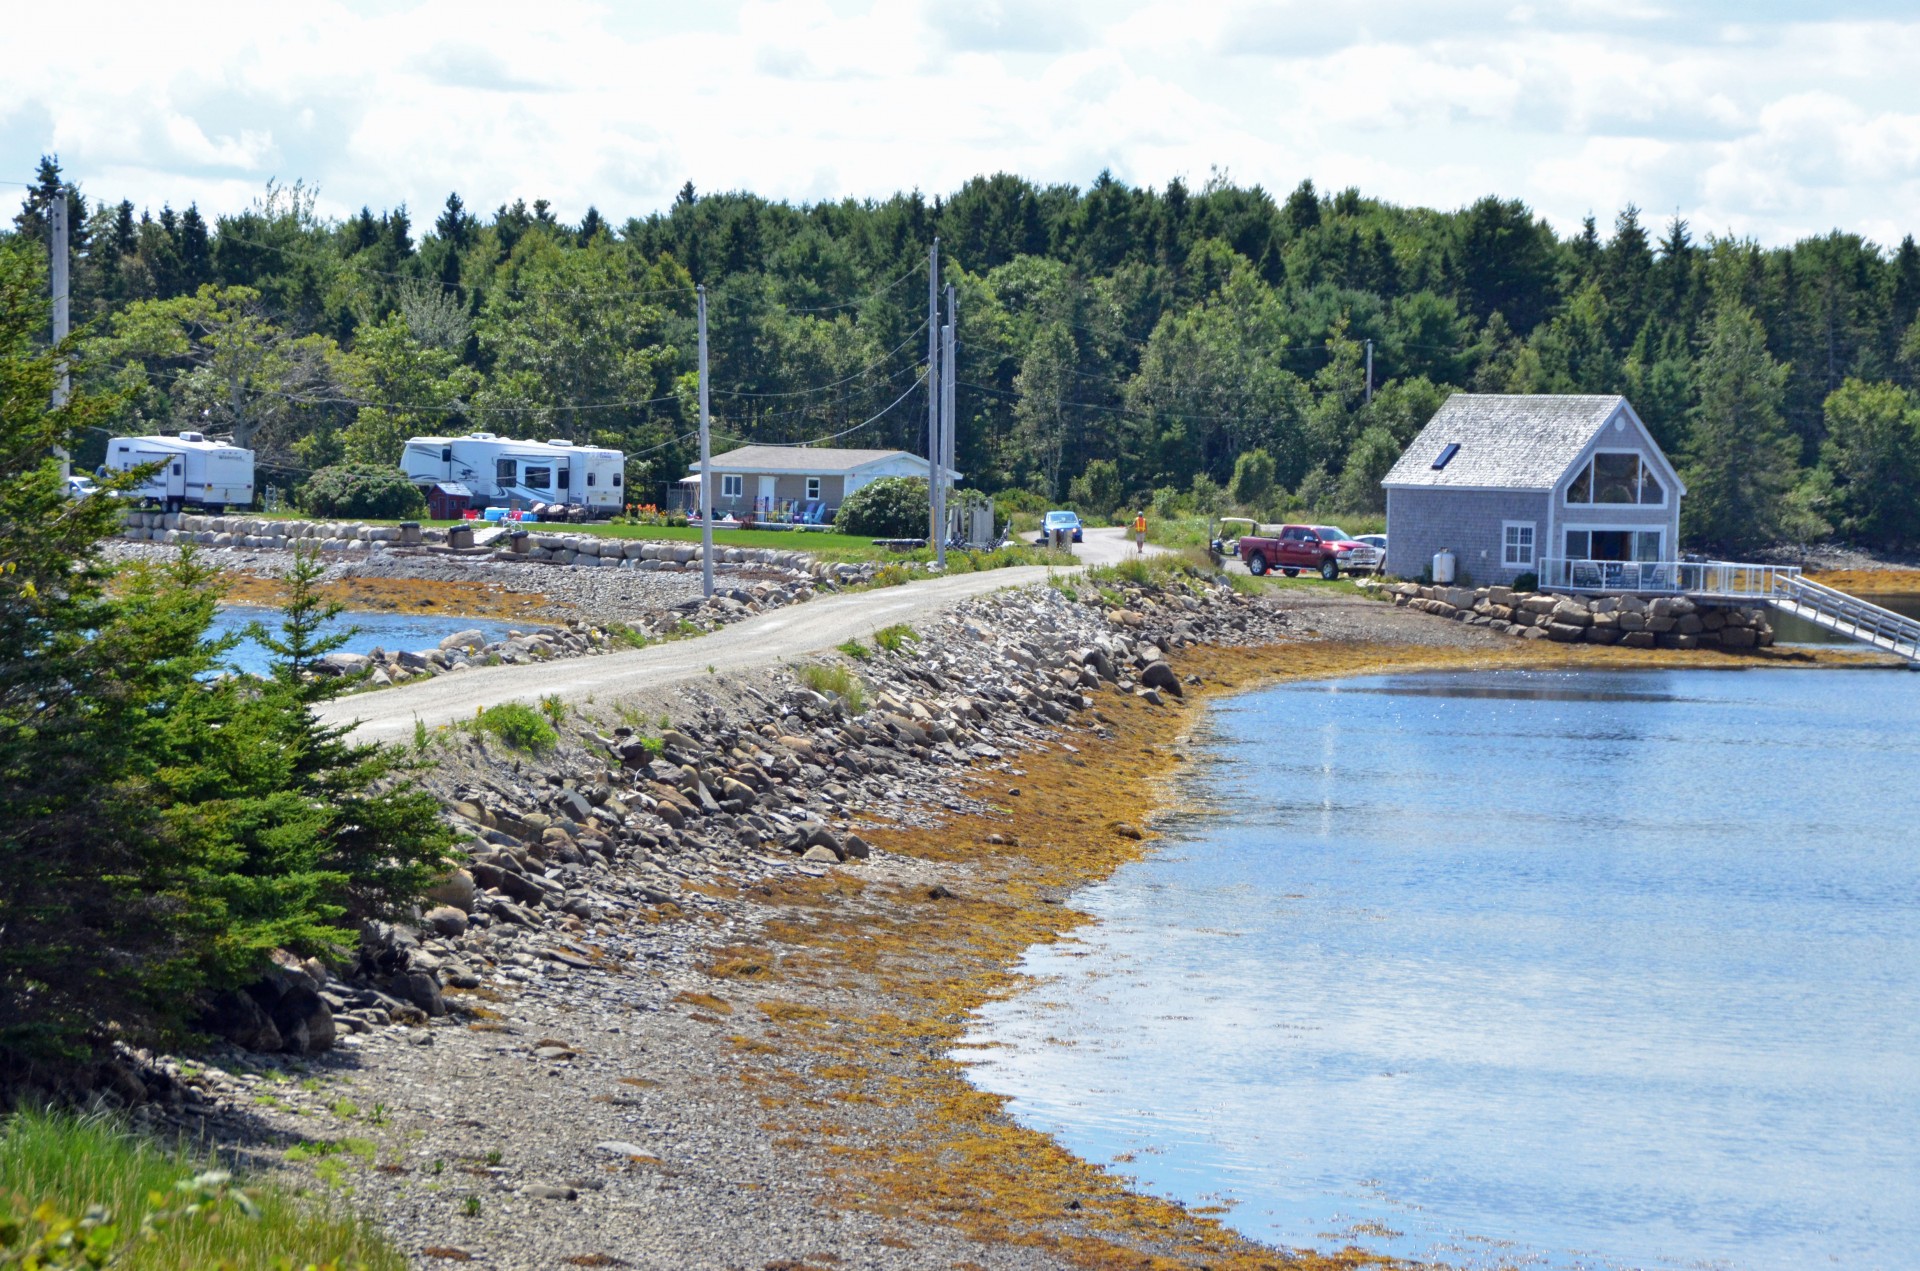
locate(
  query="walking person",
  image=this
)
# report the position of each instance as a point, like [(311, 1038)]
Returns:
[(1140, 534)]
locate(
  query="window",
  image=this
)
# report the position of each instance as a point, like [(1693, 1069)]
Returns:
[(590, 480), (1646, 545), (1579, 545), (565, 477), (505, 471), (446, 454), (1446, 455), (616, 480), (733, 486), (1616, 476), (813, 488), (1517, 546), (539, 478)]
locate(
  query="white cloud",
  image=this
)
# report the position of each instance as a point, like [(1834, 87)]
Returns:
[(1734, 119)]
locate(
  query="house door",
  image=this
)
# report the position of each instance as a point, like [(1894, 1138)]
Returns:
[(1612, 545), (765, 502)]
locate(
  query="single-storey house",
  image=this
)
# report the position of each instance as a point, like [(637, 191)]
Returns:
[(1517, 484), (796, 482)]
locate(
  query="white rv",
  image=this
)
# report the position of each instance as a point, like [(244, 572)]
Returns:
[(501, 471), (194, 472)]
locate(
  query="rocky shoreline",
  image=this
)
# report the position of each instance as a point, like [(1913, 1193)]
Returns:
[(693, 999)]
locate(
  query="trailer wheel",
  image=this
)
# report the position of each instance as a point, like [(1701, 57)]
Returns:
[(1291, 573), (1256, 564), (1329, 569), (174, 505)]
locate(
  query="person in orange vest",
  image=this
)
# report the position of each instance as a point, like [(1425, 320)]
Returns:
[(1140, 533)]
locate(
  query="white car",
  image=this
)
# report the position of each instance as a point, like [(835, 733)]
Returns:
[(1379, 543), (1355, 555)]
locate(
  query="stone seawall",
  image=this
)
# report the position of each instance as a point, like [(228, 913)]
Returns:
[(511, 542), (1662, 622)]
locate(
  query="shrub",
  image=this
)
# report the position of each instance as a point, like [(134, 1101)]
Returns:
[(836, 681), (520, 726), (362, 490), (856, 650), (1528, 581), (892, 507), (1253, 475), (893, 638)]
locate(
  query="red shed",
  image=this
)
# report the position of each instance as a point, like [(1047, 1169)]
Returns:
[(448, 500)]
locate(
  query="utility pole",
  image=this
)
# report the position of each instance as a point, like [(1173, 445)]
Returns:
[(61, 317), (706, 461), (949, 417), (1369, 372), (933, 401)]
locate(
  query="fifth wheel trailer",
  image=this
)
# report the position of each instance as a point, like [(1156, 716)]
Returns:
[(501, 470), (193, 472)]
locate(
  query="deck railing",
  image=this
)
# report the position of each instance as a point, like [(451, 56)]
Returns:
[(1714, 577)]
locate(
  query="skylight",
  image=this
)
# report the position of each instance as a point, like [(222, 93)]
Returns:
[(1446, 456)]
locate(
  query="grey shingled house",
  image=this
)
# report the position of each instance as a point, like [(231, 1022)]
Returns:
[(1516, 484)]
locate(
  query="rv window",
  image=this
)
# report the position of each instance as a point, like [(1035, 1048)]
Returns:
[(616, 480), (589, 478), (565, 476), (503, 471), (446, 454), (176, 469), (539, 478)]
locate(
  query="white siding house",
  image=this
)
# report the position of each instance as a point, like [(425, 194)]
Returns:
[(1506, 482), (773, 481)]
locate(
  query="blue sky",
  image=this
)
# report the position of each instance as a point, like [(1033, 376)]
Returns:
[(1753, 119)]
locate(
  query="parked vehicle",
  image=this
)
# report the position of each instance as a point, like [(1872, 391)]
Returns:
[(192, 471), (1379, 543), (1292, 549), (500, 470), (79, 487), (1059, 521), (1224, 537), (1357, 556)]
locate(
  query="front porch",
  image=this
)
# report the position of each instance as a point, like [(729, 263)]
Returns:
[(1713, 580)]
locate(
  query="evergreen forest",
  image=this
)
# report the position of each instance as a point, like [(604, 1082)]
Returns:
[(1174, 349)]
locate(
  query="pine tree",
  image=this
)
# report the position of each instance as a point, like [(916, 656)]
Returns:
[(1740, 457)]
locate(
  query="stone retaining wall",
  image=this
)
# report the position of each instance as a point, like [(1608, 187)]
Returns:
[(583, 550), (1665, 622)]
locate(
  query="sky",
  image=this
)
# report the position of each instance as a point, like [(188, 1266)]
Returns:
[(1750, 119)]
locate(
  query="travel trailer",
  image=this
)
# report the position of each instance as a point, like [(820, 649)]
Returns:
[(502, 471), (193, 473)]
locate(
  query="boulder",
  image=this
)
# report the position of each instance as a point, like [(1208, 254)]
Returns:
[(455, 889), (468, 640), (446, 920), (1160, 675)]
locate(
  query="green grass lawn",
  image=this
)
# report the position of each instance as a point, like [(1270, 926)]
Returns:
[(56, 1167)]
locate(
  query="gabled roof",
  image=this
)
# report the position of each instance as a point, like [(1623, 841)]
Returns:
[(817, 461), (1506, 441)]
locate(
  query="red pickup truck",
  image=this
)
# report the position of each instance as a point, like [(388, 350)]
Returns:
[(1298, 547)]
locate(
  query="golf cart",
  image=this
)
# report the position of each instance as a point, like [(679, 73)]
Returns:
[(1227, 531)]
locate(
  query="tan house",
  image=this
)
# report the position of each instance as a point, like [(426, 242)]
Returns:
[(795, 483)]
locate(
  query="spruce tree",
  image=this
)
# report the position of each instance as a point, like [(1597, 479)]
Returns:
[(1740, 457)]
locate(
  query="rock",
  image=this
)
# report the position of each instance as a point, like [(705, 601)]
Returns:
[(243, 1021), (469, 640), (1160, 675), (820, 854), (1127, 830), (548, 1191), (1565, 632), (447, 920), (421, 989), (344, 663), (856, 847), (455, 889)]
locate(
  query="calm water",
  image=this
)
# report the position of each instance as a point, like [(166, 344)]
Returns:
[(1574, 969), (376, 631)]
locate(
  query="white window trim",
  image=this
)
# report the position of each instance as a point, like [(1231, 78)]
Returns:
[(732, 485), (814, 486), (1586, 465), (1533, 544)]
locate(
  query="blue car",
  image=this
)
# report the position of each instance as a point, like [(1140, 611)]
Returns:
[(1059, 521)]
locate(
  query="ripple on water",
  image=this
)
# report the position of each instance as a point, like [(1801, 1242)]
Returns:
[(1579, 969)]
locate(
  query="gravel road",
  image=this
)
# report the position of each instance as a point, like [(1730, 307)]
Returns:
[(790, 632)]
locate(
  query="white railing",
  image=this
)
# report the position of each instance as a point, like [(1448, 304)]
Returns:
[(1851, 616), (1713, 578)]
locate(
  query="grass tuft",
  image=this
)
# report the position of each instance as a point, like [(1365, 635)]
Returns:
[(89, 1182), (836, 681), (894, 637)]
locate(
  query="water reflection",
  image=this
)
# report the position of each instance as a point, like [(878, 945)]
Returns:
[(1589, 969)]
